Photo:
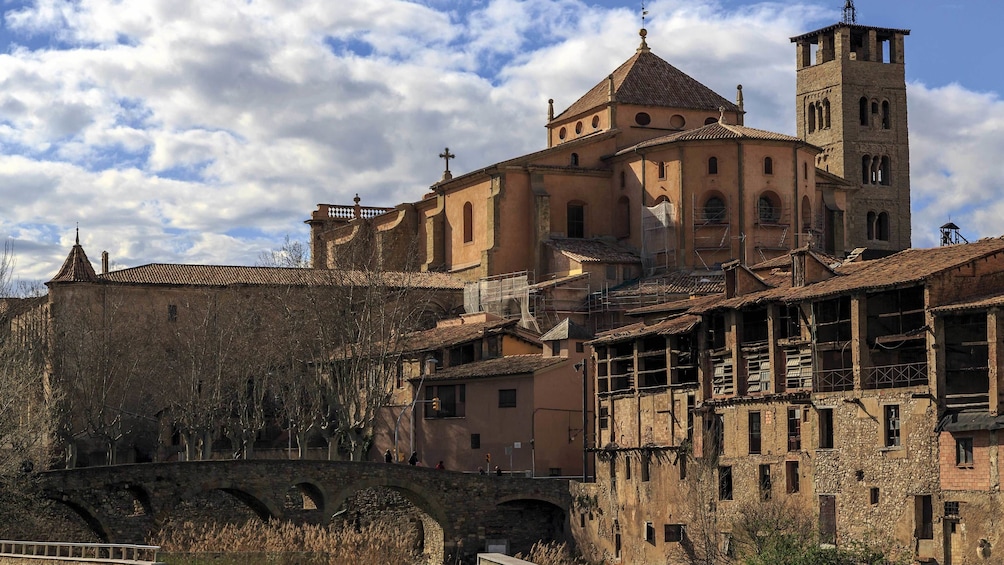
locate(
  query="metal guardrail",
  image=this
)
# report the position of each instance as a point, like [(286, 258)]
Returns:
[(81, 552)]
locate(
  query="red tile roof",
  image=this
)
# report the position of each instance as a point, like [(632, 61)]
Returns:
[(224, 275), (647, 80), (76, 267), (673, 326), (501, 366), (592, 251), (715, 131), (454, 334)]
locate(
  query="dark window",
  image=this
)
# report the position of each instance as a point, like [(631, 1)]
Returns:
[(604, 417), (882, 227), (714, 210), (673, 533), (172, 312), (579, 347), (556, 347), (576, 220), (650, 533), (767, 211), (475, 441), (886, 122), (662, 170), (884, 171), (627, 468), (923, 517), (826, 114), (952, 509), (642, 119), (765, 484), (863, 111), (725, 483), (827, 518), (710, 120), (554, 471), (811, 114), (573, 160), (791, 476), (468, 222), (826, 428), (964, 451), (713, 166), (754, 420), (805, 171), (507, 398), (794, 429), (644, 469), (623, 179), (892, 425), (873, 496), (578, 127), (870, 225), (768, 166)]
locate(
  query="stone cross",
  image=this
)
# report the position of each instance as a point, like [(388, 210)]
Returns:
[(446, 155)]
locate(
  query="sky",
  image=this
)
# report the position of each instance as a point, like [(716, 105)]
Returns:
[(193, 131)]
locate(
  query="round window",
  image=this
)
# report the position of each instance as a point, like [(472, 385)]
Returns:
[(561, 133), (596, 122), (578, 127), (677, 121), (642, 119)]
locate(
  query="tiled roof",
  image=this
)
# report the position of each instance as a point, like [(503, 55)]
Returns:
[(861, 28), (453, 334), (566, 329), (592, 251), (498, 367), (909, 266), (647, 80), (973, 304), (679, 282), (76, 267), (673, 326), (714, 131), (558, 281), (223, 275)]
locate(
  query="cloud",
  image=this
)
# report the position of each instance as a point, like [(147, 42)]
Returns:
[(204, 132)]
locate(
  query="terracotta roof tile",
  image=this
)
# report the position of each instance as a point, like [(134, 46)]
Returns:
[(592, 251), (454, 334), (498, 367), (673, 326), (972, 304), (223, 275), (714, 131), (76, 267), (647, 80)]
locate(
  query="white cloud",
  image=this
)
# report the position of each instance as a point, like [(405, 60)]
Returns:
[(193, 131)]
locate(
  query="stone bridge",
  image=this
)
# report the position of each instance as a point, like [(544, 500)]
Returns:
[(459, 512)]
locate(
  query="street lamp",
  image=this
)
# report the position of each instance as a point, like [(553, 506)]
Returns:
[(581, 366)]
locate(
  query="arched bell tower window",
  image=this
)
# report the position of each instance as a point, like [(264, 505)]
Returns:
[(468, 222), (882, 227), (811, 115), (768, 166), (576, 219), (886, 120), (863, 111), (883, 171), (870, 221), (826, 114), (713, 166)]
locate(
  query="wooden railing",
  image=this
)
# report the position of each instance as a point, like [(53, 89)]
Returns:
[(833, 380), (81, 552), (892, 376)]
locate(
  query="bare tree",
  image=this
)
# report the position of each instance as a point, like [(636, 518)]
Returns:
[(291, 254)]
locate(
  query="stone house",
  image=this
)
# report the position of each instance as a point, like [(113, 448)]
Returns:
[(864, 392)]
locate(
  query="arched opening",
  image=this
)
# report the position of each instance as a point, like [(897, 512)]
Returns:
[(714, 211), (710, 120), (662, 169), (468, 222), (623, 179), (866, 168), (642, 119), (870, 221), (70, 527), (819, 115), (540, 521), (882, 227), (806, 214), (304, 497), (886, 120), (805, 171), (811, 114), (573, 160), (713, 166), (863, 111), (768, 208), (768, 166), (826, 113), (883, 172), (575, 220)]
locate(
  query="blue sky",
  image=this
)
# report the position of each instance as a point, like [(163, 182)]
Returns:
[(205, 132)]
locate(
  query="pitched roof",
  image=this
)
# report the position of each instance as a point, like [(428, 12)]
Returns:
[(673, 326), (498, 367), (224, 275), (592, 251), (647, 80), (453, 334), (76, 267), (714, 131), (909, 266)]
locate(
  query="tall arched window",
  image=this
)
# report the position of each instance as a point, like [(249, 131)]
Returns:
[(574, 160), (468, 222), (806, 214), (768, 209), (811, 115), (866, 169), (882, 227), (768, 166), (883, 172), (886, 120), (713, 166), (623, 217), (863, 111), (870, 221), (819, 115), (714, 210), (576, 220), (662, 169), (826, 114)]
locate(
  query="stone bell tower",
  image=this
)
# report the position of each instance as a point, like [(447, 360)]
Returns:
[(851, 102)]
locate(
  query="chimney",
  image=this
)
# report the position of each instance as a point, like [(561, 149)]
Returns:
[(430, 366), (104, 262)]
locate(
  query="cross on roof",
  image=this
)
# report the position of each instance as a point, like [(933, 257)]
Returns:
[(446, 155)]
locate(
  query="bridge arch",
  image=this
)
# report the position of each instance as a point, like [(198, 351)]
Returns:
[(88, 514), (312, 490), (260, 504)]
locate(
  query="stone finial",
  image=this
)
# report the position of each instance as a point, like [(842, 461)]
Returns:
[(610, 88), (550, 109), (357, 210), (643, 48), (721, 114)]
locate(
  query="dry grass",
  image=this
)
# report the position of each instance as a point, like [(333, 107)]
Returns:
[(550, 553), (284, 543)]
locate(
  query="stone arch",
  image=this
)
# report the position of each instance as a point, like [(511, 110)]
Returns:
[(432, 518), (88, 515), (541, 518), (258, 503), (313, 491)]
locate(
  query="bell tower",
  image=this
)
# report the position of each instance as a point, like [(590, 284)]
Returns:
[(851, 102)]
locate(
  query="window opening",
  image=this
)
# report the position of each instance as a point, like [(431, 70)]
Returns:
[(573, 159), (172, 312), (468, 222), (886, 122), (826, 428), (650, 533), (768, 166), (713, 166), (673, 533), (714, 210), (923, 517), (507, 398), (475, 441), (863, 111), (873, 496), (754, 432), (892, 425), (662, 169), (767, 211), (791, 475), (725, 483), (794, 429), (964, 451), (765, 485), (642, 119), (576, 220)]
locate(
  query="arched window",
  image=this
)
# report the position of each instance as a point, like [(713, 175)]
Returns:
[(768, 210), (713, 166), (875, 112), (710, 121), (826, 114), (805, 171), (806, 214), (623, 218), (870, 220), (713, 211), (875, 170), (576, 220), (863, 111), (882, 227), (574, 160), (819, 115), (866, 169), (623, 179), (662, 169), (883, 172), (468, 222), (886, 120), (768, 166), (811, 114)]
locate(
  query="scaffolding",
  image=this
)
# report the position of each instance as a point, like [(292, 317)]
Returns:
[(772, 232), (659, 233), (507, 296), (711, 231)]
